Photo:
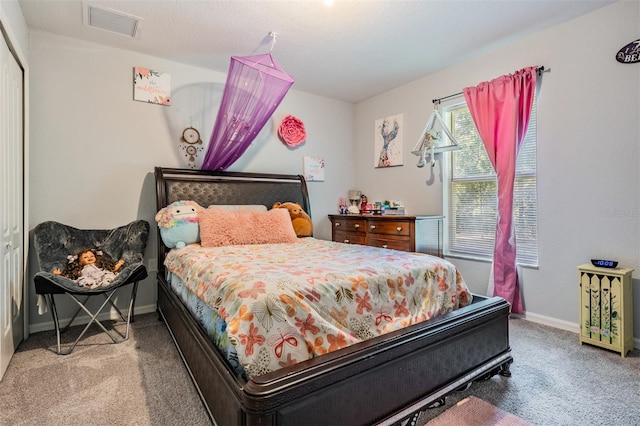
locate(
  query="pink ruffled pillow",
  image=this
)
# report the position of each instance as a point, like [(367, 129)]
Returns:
[(226, 228)]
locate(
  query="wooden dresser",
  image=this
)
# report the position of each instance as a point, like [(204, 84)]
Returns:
[(421, 234)]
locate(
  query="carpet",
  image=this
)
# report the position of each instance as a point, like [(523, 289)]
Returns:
[(139, 382), (473, 411)]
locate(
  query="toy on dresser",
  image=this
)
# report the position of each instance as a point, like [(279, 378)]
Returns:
[(354, 199), (342, 208)]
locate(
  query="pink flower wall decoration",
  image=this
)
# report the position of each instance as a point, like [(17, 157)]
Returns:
[(291, 131)]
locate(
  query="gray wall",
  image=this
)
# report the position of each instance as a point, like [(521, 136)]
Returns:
[(588, 137), (90, 141), (93, 149)]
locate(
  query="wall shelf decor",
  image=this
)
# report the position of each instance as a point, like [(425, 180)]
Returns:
[(431, 141)]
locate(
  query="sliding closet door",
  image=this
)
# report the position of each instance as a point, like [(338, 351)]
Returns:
[(11, 204)]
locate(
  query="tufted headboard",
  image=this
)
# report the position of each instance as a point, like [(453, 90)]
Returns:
[(214, 187)]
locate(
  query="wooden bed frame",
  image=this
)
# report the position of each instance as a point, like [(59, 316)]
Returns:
[(384, 380)]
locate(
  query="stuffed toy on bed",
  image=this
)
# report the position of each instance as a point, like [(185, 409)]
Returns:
[(301, 221), (179, 224)]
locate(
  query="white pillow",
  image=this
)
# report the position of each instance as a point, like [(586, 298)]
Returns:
[(236, 207)]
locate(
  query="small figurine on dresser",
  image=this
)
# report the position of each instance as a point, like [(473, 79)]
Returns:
[(364, 206), (354, 197), (90, 268), (342, 208)]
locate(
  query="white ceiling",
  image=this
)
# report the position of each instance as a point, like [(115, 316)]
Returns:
[(351, 50)]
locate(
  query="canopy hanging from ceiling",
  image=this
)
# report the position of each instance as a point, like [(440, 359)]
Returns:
[(255, 87)]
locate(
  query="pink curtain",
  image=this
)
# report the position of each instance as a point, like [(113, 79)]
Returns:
[(501, 109)]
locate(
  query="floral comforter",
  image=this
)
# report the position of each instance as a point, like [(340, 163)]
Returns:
[(285, 303)]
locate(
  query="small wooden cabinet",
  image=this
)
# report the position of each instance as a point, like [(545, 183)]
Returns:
[(606, 307), (421, 234)]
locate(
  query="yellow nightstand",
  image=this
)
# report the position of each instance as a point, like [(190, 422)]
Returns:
[(606, 307)]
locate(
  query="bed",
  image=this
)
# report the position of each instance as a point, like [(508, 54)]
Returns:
[(384, 379)]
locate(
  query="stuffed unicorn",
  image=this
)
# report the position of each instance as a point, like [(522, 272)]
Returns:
[(179, 224)]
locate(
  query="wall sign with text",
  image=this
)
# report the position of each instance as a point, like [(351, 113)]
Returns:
[(629, 54), (151, 86)]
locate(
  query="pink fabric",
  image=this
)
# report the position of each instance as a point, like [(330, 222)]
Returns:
[(226, 228), (501, 110), (255, 87)]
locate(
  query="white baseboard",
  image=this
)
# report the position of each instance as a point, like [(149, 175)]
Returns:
[(551, 322), (83, 319), (562, 325)]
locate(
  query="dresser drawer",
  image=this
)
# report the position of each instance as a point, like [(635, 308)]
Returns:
[(349, 237), (404, 233), (350, 225), (404, 245), (387, 227)]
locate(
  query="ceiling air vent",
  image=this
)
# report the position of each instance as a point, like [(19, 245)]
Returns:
[(111, 20)]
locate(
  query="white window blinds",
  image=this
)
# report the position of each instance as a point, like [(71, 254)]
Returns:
[(472, 193)]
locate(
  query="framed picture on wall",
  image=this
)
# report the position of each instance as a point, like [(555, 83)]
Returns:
[(313, 169), (388, 141), (151, 86)]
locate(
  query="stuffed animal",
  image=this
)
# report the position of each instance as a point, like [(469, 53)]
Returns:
[(90, 268), (179, 224), (301, 221)]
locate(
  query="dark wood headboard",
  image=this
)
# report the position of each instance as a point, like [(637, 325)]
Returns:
[(207, 187)]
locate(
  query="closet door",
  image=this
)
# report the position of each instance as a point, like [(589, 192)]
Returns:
[(11, 204)]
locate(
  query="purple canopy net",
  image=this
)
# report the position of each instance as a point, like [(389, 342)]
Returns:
[(255, 87)]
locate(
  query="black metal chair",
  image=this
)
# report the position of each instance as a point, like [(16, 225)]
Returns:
[(53, 242)]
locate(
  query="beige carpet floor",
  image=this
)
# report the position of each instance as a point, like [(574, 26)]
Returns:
[(141, 381)]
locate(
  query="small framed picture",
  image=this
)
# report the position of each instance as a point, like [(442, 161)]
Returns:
[(151, 86), (388, 141), (313, 169)]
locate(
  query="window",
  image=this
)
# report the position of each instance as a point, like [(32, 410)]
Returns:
[(472, 193)]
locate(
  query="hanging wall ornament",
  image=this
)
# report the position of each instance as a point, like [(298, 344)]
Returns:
[(191, 144), (291, 131), (431, 141), (255, 87)]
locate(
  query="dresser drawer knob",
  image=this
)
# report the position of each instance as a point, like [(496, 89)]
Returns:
[(399, 228), (384, 246), (357, 225), (373, 227), (337, 223), (346, 241)]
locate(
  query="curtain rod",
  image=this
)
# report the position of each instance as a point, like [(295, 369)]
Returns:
[(539, 71)]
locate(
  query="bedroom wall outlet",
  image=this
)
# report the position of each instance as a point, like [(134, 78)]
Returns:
[(152, 265)]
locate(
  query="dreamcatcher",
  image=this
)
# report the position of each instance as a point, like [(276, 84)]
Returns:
[(191, 144)]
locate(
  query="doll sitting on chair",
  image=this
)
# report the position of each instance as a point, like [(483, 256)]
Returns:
[(90, 268)]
